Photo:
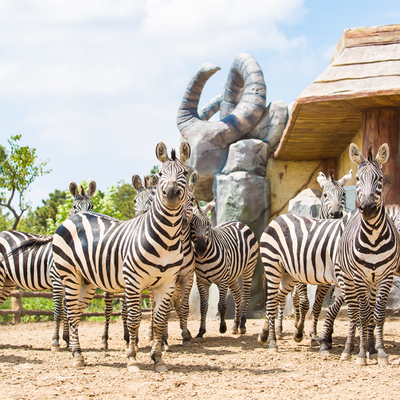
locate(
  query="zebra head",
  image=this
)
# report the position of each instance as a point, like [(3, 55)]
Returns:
[(172, 182), (333, 197), (145, 193), (369, 180), (200, 228), (188, 206), (82, 201)]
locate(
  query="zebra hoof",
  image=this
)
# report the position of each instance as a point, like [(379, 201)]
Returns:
[(78, 362), (104, 346), (160, 367), (325, 352), (273, 349), (279, 336), (260, 340), (314, 343), (235, 331), (362, 361), (345, 356), (298, 339), (242, 331), (166, 349), (55, 348), (133, 366), (186, 343), (372, 356), (383, 360)]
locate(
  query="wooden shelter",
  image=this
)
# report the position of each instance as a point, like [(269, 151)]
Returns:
[(359, 89)]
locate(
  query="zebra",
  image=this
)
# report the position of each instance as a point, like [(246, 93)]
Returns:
[(296, 249), (333, 199), (367, 256), (222, 255), (93, 250), (184, 283), (35, 270), (142, 202)]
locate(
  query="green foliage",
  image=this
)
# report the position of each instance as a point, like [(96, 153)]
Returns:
[(18, 170), (154, 170), (123, 200)]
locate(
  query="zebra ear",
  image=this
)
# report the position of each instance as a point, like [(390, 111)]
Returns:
[(146, 181), (210, 205), (345, 179), (153, 180), (161, 152), (91, 189), (383, 154), (82, 191), (73, 189), (137, 182), (194, 180), (321, 179), (184, 152), (355, 154)]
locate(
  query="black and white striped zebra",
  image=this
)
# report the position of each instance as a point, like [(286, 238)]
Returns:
[(296, 249), (223, 254), (367, 256), (93, 250), (34, 270), (333, 202), (184, 283), (142, 202)]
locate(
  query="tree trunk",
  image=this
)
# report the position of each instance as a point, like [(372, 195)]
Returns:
[(381, 125)]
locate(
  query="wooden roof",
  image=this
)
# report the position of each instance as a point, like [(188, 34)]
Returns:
[(364, 72)]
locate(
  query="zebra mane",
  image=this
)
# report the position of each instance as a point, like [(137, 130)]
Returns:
[(173, 154), (370, 156), (331, 176)]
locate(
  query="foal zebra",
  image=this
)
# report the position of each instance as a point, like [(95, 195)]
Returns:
[(34, 270), (333, 201), (367, 256), (223, 254), (92, 250)]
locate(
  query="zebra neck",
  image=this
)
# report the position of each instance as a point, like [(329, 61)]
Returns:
[(374, 228)]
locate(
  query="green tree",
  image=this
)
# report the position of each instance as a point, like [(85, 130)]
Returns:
[(154, 170), (18, 170), (124, 200)]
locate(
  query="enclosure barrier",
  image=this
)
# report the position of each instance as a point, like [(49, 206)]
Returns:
[(18, 310)]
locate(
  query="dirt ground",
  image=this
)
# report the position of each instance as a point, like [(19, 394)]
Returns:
[(220, 367)]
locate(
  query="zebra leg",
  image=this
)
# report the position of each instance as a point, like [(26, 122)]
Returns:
[(246, 294), (279, 320), (133, 305), (150, 336), (365, 313), (66, 335), (278, 288), (77, 296), (124, 314), (58, 296), (379, 318), (326, 336), (6, 287), (108, 300), (371, 350), (162, 305), (164, 336), (186, 287), (223, 292), (237, 295), (204, 288), (320, 294), (304, 307), (296, 303)]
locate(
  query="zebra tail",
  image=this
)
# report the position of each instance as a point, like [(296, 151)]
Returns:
[(31, 245), (263, 303)]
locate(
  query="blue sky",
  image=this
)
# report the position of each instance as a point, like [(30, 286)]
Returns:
[(95, 85)]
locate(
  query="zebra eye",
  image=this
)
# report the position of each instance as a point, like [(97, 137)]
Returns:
[(357, 178)]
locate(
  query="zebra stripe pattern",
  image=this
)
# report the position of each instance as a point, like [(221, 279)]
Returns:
[(367, 257), (333, 201), (223, 254), (92, 250), (34, 270), (296, 249)]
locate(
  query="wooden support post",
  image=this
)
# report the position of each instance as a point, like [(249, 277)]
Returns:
[(330, 164), (381, 125), (16, 303)]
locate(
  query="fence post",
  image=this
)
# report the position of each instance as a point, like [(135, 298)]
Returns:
[(17, 306)]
